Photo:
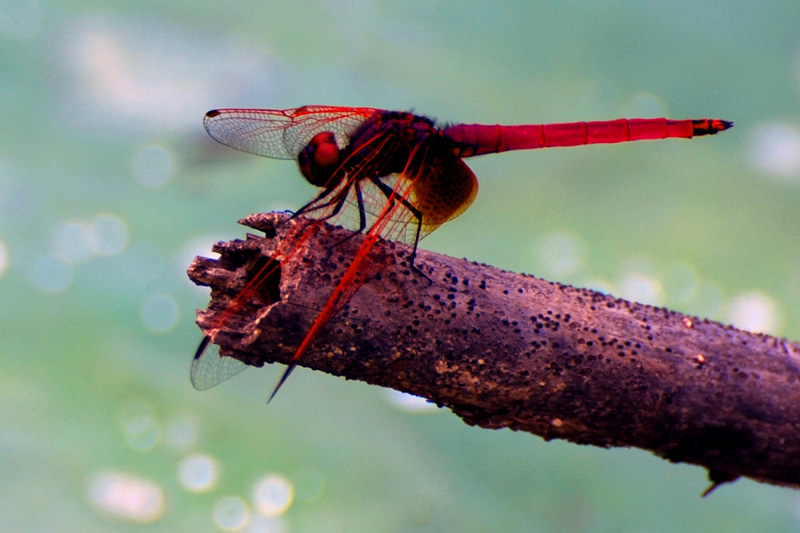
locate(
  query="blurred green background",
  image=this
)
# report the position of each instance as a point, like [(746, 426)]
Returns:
[(109, 186)]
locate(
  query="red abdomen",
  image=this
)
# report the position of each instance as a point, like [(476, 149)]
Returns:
[(478, 139)]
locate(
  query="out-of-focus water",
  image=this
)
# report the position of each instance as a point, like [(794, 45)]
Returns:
[(109, 186)]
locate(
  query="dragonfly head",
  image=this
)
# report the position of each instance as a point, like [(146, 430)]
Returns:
[(320, 159)]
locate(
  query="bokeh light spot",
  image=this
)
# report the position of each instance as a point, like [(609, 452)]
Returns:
[(127, 497), (4, 261), (754, 311), (639, 283), (114, 67), (645, 105), (110, 234), (560, 255), (266, 524), (599, 285), (409, 402), (680, 283), (153, 166), (273, 495), (139, 425), (180, 431), (74, 242), (142, 433), (52, 274), (198, 472), (775, 149), (231, 513), (159, 313), (640, 287), (200, 246)]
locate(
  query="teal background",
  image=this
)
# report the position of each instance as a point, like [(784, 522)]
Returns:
[(109, 186)]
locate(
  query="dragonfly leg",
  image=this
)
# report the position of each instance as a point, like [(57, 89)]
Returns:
[(389, 193), (311, 206), (362, 213)]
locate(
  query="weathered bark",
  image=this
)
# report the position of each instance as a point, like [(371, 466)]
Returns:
[(508, 350)]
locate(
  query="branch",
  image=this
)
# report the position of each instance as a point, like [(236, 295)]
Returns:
[(505, 350)]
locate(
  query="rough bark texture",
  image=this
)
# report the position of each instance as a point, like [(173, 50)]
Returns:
[(507, 350)]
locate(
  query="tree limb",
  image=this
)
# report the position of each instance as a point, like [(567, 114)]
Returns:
[(509, 350)]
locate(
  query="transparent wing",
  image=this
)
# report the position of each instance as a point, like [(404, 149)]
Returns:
[(439, 191), (283, 133), (209, 368)]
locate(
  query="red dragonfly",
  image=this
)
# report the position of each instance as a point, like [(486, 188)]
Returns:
[(390, 174)]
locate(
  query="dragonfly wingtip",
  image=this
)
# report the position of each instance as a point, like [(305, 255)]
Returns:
[(202, 347), (281, 381)]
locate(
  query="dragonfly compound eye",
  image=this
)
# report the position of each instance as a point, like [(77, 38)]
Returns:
[(320, 159)]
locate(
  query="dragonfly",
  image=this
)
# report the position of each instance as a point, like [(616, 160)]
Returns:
[(386, 174)]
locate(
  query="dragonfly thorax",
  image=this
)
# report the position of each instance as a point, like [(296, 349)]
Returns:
[(320, 160), (391, 142), (388, 142)]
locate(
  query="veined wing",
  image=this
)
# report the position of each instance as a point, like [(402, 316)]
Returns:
[(209, 368), (283, 133), (439, 191)]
